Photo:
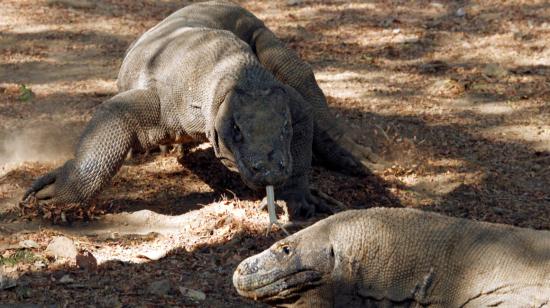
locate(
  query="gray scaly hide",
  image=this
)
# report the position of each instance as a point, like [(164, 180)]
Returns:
[(187, 79), (332, 144), (384, 257)]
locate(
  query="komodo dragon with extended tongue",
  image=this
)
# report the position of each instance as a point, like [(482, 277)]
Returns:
[(188, 79), (388, 257)]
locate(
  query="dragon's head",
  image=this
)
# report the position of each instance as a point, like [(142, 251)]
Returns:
[(281, 274), (252, 134)]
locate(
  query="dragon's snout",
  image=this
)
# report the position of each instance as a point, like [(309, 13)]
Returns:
[(274, 169)]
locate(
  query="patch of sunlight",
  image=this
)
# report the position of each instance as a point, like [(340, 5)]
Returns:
[(538, 136), (86, 86), (27, 28), (214, 223), (341, 76), (359, 84), (494, 108), (435, 185), (499, 48), (447, 163)]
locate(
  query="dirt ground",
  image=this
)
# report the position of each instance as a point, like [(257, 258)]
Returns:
[(455, 94)]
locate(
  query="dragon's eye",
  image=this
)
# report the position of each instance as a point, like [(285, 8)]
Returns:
[(285, 249)]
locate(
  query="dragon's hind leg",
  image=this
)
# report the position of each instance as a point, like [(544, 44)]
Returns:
[(332, 145)]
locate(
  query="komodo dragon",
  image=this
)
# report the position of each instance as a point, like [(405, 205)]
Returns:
[(384, 257), (188, 79)]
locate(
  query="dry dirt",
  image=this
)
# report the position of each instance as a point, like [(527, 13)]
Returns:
[(456, 94)]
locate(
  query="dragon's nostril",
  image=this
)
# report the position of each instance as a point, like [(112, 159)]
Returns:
[(257, 166)]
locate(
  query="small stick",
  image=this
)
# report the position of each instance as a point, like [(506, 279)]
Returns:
[(383, 132)]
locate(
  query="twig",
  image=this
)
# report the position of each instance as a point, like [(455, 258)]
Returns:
[(383, 132)]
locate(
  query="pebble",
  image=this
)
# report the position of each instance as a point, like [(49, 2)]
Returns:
[(192, 294), (294, 2), (28, 244), (7, 281), (494, 70), (161, 287), (460, 12), (62, 247), (66, 279)]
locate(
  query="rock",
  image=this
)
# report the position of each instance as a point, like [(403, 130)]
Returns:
[(294, 2), (494, 71), (66, 279), (460, 12), (191, 294), (153, 255), (7, 281), (75, 4), (161, 287), (62, 247), (86, 261), (28, 244)]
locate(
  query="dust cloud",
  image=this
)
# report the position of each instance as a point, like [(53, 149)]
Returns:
[(37, 142)]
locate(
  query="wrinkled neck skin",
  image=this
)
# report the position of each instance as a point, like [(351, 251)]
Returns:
[(401, 258)]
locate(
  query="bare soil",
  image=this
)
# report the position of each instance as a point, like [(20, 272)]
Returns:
[(455, 94)]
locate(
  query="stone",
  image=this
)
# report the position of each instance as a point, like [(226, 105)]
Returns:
[(191, 294), (62, 247), (294, 2), (7, 281), (28, 244), (161, 287), (66, 279), (494, 71)]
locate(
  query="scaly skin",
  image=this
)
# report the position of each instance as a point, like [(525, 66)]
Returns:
[(183, 84), (386, 257), (253, 99), (332, 144)]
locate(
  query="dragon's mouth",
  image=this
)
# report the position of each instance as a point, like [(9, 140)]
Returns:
[(229, 164), (280, 288)]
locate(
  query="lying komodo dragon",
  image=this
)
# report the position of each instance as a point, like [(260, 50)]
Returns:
[(212, 72), (401, 257)]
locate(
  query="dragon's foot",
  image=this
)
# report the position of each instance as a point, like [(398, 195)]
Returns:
[(363, 154), (307, 203), (57, 186)]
